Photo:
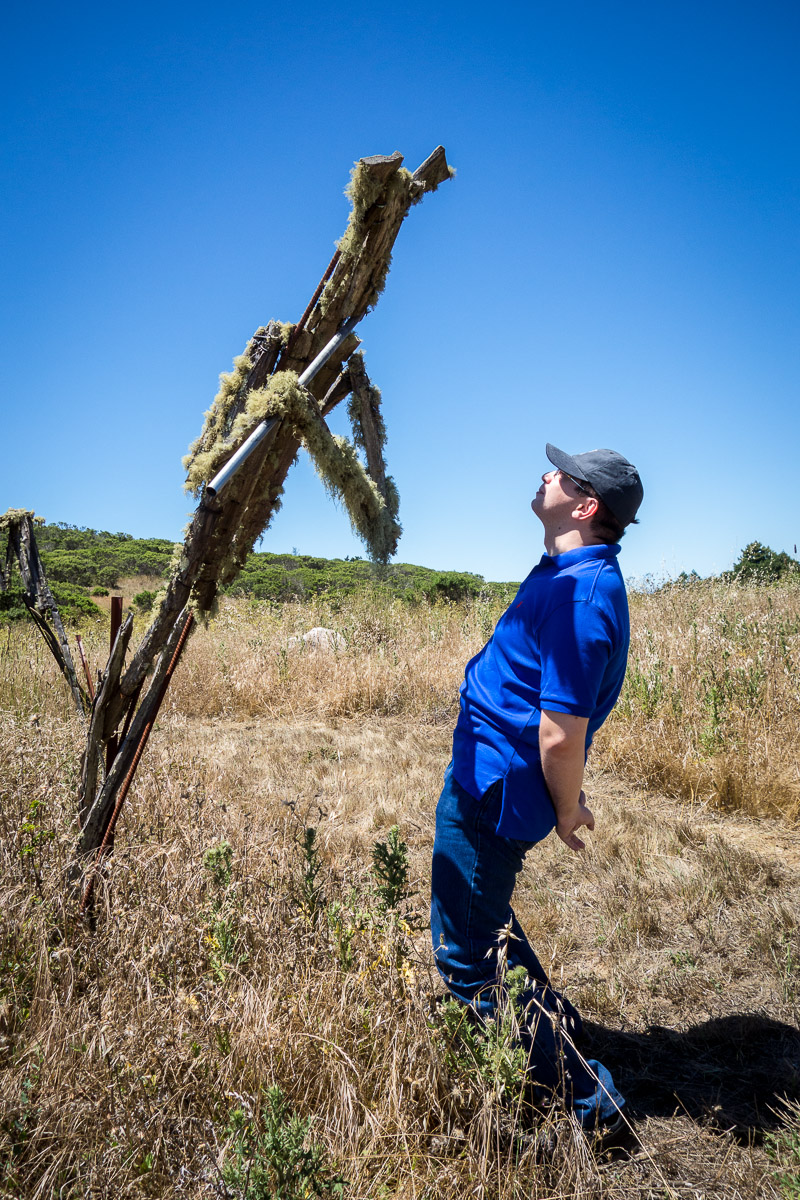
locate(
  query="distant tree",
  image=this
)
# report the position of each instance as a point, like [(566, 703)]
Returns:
[(759, 564), (684, 580), (453, 586)]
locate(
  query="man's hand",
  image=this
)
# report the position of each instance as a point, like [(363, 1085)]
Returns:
[(562, 746), (568, 823)]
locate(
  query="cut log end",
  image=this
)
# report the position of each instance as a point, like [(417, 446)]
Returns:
[(434, 170), (383, 166)]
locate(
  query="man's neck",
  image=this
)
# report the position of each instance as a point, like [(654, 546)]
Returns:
[(560, 542)]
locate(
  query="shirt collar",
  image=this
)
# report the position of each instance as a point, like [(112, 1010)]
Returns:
[(580, 554)]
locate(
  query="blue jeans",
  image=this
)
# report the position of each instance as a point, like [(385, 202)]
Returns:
[(474, 872)]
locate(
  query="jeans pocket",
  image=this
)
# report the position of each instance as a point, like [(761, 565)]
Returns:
[(490, 805)]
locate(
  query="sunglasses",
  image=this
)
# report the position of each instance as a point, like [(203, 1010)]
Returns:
[(578, 485)]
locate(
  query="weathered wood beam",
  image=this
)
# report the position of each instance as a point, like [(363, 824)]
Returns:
[(341, 387), (370, 421), (92, 767), (433, 171), (174, 601), (40, 602), (5, 570), (97, 814), (348, 294)]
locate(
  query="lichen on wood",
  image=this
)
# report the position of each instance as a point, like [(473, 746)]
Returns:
[(365, 406), (13, 516), (369, 431), (225, 423), (363, 191), (372, 515), (210, 445)]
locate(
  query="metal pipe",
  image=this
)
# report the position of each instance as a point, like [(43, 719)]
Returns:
[(266, 427), (331, 348), (245, 450)]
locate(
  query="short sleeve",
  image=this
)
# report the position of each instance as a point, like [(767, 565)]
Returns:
[(575, 644)]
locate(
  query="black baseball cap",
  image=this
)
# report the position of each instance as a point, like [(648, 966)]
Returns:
[(615, 480)]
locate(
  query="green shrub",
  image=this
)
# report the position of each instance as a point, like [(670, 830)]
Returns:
[(89, 557), (12, 605), (143, 601), (488, 1053), (219, 861), (453, 586), (270, 1158), (73, 603), (390, 866)]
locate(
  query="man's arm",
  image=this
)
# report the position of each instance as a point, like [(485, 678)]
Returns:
[(562, 747)]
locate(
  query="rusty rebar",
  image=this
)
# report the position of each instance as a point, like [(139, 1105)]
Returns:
[(116, 622), (310, 306), (86, 670)]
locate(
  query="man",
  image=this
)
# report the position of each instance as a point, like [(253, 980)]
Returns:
[(531, 702)]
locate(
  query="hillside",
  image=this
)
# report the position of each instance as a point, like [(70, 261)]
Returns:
[(85, 564)]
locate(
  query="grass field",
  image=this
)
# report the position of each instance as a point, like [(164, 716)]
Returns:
[(251, 1006)]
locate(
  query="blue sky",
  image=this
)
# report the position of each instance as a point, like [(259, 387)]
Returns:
[(615, 264)]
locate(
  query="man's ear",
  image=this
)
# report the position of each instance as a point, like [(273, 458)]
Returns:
[(585, 510)]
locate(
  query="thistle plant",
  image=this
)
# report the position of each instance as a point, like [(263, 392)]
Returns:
[(309, 892), (390, 867), (270, 1157)]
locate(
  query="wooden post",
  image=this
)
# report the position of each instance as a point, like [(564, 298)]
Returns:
[(116, 622), (39, 599)]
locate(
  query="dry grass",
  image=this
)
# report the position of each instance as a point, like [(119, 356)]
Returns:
[(397, 660), (124, 1052), (710, 711), (711, 704)]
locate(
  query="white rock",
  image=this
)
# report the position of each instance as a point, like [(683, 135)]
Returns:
[(319, 638)]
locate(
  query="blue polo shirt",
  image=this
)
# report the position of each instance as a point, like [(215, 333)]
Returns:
[(562, 645)]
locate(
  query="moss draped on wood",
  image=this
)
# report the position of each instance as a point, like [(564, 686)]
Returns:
[(362, 191), (372, 515)]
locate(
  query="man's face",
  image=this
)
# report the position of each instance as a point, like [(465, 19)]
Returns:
[(556, 497)]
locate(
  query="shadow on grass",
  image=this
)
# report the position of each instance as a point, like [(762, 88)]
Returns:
[(731, 1072)]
